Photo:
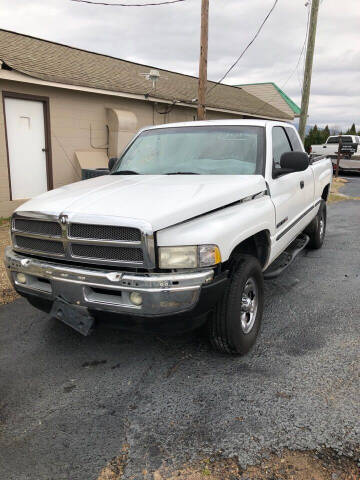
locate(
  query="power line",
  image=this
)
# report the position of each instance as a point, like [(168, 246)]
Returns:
[(296, 67), (246, 48), (302, 50), (129, 4)]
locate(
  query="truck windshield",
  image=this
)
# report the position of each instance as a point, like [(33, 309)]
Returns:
[(208, 150)]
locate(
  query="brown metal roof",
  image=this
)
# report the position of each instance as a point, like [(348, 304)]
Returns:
[(54, 62)]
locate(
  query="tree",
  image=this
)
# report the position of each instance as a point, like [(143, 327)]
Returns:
[(326, 133), (308, 140), (316, 134), (312, 138), (352, 130)]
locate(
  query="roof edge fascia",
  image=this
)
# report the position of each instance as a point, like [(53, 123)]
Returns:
[(17, 76)]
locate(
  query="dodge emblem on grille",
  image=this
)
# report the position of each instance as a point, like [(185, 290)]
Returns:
[(63, 219)]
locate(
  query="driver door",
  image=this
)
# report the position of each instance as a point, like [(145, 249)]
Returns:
[(292, 193)]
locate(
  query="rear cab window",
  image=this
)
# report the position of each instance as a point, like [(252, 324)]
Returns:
[(344, 139), (294, 140)]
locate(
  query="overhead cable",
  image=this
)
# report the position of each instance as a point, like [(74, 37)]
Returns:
[(129, 4), (296, 67), (245, 49)]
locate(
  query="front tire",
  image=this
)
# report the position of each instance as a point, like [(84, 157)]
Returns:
[(317, 228), (235, 323)]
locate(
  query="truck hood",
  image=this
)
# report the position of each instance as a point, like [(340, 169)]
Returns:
[(157, 201)]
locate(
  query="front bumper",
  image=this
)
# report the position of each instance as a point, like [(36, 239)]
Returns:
[(109, 291)]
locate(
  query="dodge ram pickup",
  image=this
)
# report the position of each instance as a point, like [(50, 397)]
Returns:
[(180, 234)]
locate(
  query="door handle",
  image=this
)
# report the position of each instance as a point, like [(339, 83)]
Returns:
[(44, 149), (302, 184), (324, 146)]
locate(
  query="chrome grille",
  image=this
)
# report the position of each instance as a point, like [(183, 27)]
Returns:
[(104, 232), (39, 245), (44, 235), (52, 229), (122, 254)]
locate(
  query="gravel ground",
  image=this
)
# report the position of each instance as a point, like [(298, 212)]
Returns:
[(7, 293), (70, 404)]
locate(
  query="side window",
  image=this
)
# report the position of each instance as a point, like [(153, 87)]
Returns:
[(294, 140), (280, 145)]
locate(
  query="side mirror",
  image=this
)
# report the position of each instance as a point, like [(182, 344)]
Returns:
[(112, 162), (294, 161)]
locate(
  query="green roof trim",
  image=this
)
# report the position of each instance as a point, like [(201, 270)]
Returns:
[(287, 99)]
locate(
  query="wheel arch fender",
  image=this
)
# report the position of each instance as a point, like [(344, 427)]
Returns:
[(257, 245), (326, 192)]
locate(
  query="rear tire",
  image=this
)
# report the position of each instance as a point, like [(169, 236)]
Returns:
[(235, 323), (317, 228)]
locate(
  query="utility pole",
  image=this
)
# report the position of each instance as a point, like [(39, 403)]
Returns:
[(308, 68), (201, 113), (338, 157)]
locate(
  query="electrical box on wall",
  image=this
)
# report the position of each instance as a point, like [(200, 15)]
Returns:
[(122, 125)]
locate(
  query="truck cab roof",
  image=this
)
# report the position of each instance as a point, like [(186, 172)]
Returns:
[(249, 122)]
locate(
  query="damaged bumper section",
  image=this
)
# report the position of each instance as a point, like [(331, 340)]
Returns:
[(78, 290)]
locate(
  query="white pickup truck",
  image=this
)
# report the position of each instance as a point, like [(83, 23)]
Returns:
[(330, 148), (182, 232)]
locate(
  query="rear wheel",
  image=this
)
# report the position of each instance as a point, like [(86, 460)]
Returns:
[(317, 228), (235, 323)]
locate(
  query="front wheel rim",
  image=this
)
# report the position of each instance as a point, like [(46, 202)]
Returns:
[(249, 305)]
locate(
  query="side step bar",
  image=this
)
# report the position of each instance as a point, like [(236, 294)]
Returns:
[(287, 257)]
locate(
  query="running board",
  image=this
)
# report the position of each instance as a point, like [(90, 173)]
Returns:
[(287, 257)]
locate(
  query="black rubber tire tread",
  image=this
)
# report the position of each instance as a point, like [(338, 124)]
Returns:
[(313, 229), (242, 267)]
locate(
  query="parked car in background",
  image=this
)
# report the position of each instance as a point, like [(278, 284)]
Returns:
[(330, 148), (181, 233)]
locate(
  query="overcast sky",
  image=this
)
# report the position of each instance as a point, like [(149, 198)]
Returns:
[(168, 37)]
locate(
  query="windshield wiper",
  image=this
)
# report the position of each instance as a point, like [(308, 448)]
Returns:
[(125, 172), (132, 172), (183, 173)]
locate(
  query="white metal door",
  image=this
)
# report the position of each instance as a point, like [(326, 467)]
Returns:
[(25, 129), (292, 195)]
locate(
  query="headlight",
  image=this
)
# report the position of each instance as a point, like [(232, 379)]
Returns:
[(189, 256), (178, 257)]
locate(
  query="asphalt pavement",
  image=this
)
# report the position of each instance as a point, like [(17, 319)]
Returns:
[(69, 404), (352, 187)]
